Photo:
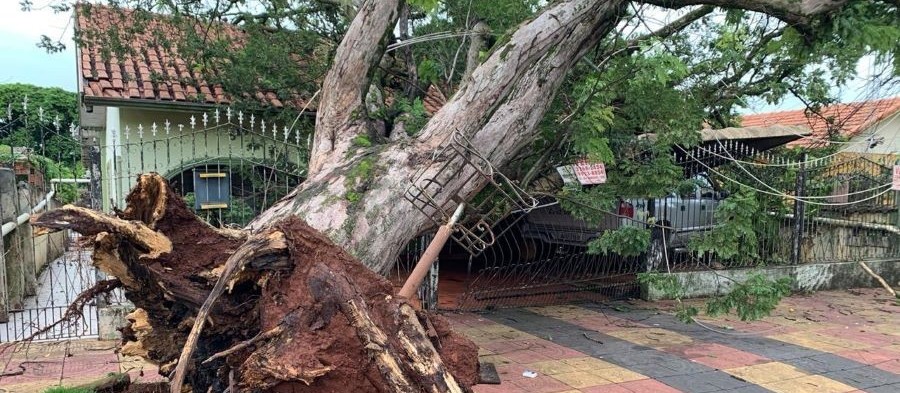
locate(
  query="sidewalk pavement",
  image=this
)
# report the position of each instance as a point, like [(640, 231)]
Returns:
[(36, 366), (836, 341)]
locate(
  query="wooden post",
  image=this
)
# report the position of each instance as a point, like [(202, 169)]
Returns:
[(431, 253)]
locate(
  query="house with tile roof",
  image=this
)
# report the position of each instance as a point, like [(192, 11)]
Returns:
[(867, 127), (866, 135), (146, 108)]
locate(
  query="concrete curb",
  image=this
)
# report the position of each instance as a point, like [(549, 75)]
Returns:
[(808, 277)]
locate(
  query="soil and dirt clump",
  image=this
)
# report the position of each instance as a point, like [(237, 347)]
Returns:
[(307, 317)]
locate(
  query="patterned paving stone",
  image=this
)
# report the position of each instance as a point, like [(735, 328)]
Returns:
[(798, 354), (661, 366)]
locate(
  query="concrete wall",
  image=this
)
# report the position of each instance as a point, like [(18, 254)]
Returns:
[(22, 255), (810, 277), (48, 247), (7, 212)]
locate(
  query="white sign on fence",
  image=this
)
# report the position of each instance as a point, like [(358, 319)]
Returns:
[(590, 172), (896, 183)]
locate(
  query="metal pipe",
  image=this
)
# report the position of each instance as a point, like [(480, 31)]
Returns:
[(431, 253), (24, 217)]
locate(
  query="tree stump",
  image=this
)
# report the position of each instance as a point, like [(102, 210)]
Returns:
[(296, 313)]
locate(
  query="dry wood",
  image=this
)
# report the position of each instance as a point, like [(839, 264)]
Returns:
[(89, 222), (877, 277), (140, 328), (267, 243), (374, 339), (422, 354), (246, 344)]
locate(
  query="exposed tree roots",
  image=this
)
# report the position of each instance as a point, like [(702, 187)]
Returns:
[(282, 310)]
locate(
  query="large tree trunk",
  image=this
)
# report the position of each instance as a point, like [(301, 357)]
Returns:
[(353, 193), (498, 109)]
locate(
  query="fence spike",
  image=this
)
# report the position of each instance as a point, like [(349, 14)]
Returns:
[(205, 119), (216, 116), (286, 131), (297, 136), (241, 119), (274, 131), (127, 132), (41, 114), (25, 104), (252, 121), (262, 126), (167, 126), (193, 122), (180, 128), (153, 129), (9, 112), (228, 114), (56, 122), (140, 131)]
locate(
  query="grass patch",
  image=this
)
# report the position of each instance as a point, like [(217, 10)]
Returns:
[(64, 389)]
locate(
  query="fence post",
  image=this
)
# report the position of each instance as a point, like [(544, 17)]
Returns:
[(799, 212), (7, 190), (428, 292), (96, 197), (15, 278), (24, 233)]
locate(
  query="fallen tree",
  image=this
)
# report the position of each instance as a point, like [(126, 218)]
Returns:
[(280, 306), (299, 313)]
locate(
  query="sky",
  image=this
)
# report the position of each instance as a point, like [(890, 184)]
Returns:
[(21, 61)]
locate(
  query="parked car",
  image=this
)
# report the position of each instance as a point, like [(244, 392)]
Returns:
[(673, 220)]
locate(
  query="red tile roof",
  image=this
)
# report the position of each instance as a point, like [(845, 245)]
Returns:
[(149, 72), (847, 120)]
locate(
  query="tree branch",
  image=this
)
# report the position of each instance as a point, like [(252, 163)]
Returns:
[(341, 114), (798, 13)]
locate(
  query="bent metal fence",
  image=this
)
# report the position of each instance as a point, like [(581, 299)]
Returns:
[(836, 208)]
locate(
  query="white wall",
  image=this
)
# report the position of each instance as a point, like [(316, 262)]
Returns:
[(137, 149), (888, 128)]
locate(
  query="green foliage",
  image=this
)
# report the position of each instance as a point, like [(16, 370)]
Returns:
[(412, 114), (65, 193), (670, 288), (627, 241), (752, 299), (23, 125), (64, 389), (587, 204), (361, 141), (735, 234)]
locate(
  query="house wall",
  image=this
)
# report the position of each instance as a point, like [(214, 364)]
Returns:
[(131, 146), (888, 128)]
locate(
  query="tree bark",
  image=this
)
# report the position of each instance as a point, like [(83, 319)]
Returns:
[(476, 45), (498, 109), (288, 311)]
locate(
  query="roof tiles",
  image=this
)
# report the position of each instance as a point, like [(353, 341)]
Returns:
[(847, 120), (147, 72)]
